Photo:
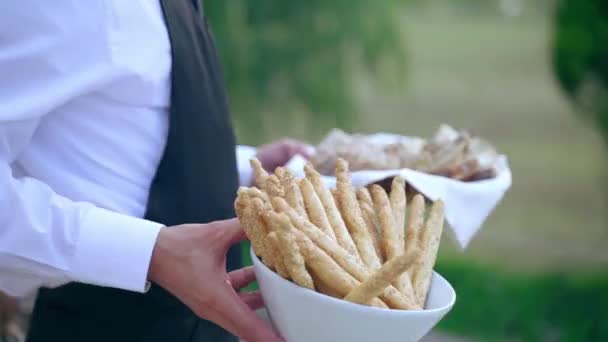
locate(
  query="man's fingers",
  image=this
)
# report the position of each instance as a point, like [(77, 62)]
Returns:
[(292, 147), (253, 299), (236, 237), (230, 232), (248, 326), (242, 277)]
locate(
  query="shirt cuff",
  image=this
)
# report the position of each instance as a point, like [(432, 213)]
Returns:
[(243, 155), (114, 250)]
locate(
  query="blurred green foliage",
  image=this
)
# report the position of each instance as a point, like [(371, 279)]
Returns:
[(496, 305), (280, 55), (580, 56)]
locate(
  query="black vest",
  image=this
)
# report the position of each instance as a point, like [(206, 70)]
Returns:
[(196, 182)]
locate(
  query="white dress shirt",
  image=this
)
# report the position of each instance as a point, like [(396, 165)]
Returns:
[(84, 98)]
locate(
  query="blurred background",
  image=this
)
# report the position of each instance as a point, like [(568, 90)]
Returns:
[(530, 76)]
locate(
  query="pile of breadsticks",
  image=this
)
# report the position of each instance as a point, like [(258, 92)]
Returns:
[(352, 244), (451, 153)]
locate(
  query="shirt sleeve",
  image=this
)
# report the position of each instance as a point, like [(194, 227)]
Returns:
[(243, 155), (45, 238)]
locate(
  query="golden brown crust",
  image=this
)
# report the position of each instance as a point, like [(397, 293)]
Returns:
[(324, 267), (274, 247), (399, 206), (334, 194), (328, 271), (259, 174), (363, 196), (321, 286), (280, 172), (270, 253), (289, 251), (315, 210), (415, 221), (331, 210), (253, 227), (383, 208), (352, 217), (293, 195), (373, 226), (273, 187), (430, 238), (392, 241), (257, 193), (398, 200), (347, 261), (241, 205), (377, 282)]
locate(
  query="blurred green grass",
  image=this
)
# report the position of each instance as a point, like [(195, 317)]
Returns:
[(537, 270), (494, 305)]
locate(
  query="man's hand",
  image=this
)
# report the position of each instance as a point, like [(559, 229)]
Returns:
[(10, 329), (8, 309), (190, 262), (280, 152)]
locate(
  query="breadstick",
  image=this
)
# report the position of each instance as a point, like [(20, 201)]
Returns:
[(269, 252), (352, 216), (331, 209), (415, 221), (347, 261), (430, 238), (322, 287), (260, 175), (248, 211), (364, 197), (399, 205), (292, 258), (280, 172), (272, 240), (257, 193), (254, 210), (406, 287), (293, 195), (241, 206), (314, 207), (375, 284), (392, 242), (328, 271), (350, 263), (389, 243), (371, 223), (334, 194), (272, 186)]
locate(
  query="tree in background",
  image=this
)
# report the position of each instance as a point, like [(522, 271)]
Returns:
[(580, 57), (288, 57), (280, 55)]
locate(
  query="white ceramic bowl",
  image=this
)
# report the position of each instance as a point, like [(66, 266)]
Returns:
[(303, 315)]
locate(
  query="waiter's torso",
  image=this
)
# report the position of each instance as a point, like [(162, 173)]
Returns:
[(104, 146), (182, 169)]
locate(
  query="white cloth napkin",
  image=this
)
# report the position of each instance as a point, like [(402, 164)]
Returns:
[(467, 204)]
